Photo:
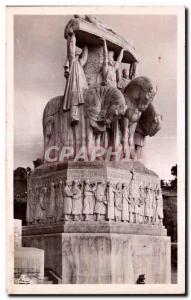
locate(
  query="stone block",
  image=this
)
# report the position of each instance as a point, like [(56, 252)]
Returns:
[(29, 261), (103, 253)]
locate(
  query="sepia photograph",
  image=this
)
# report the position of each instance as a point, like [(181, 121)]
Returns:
[(95, 150)]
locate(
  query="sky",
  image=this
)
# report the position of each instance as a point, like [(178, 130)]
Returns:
[(39, 56)]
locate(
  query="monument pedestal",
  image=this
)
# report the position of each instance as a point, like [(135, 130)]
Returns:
[(103, 252), (115, 249)]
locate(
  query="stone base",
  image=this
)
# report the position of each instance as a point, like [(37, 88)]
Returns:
[(101, 252), (29, 261)]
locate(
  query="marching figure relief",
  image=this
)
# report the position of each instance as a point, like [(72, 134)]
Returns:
[(76, 201), (118, 202), (67, 195), (52, 206), (142, 204), (159, 207), (89, 200), (148, 203), (100, 197), (96, 201), (40, 206), (110, 201), (126, 203)]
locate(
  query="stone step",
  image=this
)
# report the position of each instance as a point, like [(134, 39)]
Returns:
[(46, 278), (47, 282)]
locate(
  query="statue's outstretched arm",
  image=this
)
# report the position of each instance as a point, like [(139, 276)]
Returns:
[(119, 59), (132, 70), (105, 57), (71, 47), (84, 56), (118, 75)]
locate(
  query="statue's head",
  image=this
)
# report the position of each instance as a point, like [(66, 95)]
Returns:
[(125, 73), (111, 58)]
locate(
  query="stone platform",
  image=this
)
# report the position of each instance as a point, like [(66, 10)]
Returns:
[(102, 252), (100, 170), (94, 227)]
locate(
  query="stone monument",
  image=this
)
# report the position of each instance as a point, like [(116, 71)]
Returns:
[(93, 207)]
